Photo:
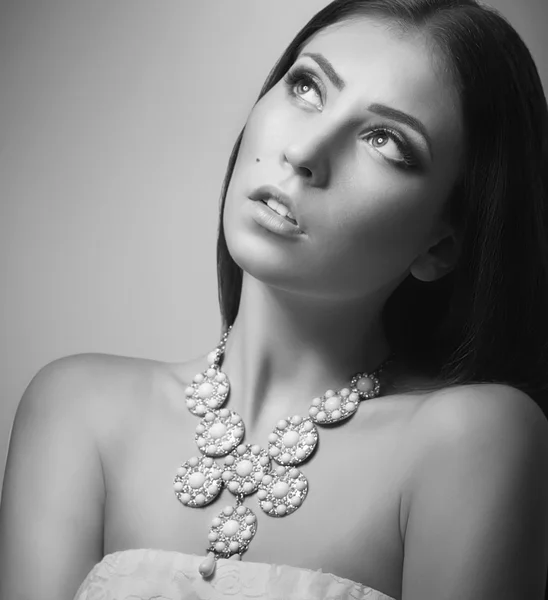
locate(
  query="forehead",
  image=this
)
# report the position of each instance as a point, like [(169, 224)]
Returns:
[(382, 63)]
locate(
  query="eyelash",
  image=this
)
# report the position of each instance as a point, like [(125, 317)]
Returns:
[(303, 75)]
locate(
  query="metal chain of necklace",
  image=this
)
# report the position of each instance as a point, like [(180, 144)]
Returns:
[(280, 486)]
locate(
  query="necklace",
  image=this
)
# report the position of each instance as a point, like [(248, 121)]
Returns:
[(247, 468)]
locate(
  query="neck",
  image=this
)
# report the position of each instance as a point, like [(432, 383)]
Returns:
[(284, 349)]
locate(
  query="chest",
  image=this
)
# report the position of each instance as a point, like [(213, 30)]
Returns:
[(349, 523)]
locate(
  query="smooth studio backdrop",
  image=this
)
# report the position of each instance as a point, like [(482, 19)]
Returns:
[(116, 123)]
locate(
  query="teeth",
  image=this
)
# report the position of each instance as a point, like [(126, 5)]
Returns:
[(273, 204), (280, 208)]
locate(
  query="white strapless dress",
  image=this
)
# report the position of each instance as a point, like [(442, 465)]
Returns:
[(145, 574)]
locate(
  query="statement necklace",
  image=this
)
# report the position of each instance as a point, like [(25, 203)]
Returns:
[(281, 487)]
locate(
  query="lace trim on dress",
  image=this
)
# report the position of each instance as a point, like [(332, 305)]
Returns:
[(147, 574)]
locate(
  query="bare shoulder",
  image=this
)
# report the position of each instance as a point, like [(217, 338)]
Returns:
[(96, 370), (56, 438), (488, 424), (478, 488), (481, 414), (94, 385), (70, 413)]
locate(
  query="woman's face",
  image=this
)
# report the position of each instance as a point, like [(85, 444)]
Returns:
[(365, 136)]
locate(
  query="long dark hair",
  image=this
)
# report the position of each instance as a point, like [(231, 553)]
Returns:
[(487, 321)]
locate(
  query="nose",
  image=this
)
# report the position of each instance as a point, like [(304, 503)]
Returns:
[(312, 151)]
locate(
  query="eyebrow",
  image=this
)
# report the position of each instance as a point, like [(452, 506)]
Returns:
[(401, 117), (379, 109), (327, 68)]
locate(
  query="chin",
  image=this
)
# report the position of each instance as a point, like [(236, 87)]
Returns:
[(259, 254)]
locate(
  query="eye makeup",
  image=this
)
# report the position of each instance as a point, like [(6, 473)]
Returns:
[(302, 76)]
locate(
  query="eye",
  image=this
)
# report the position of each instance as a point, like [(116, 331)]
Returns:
[(392, 146), (302, 84)]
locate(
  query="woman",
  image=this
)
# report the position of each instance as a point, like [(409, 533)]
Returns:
[(404, 144)]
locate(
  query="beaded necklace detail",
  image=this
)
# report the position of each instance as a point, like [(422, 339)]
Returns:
[(281, 487)]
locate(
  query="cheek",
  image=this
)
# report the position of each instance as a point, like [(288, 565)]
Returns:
[(265, 128), (384, 218)]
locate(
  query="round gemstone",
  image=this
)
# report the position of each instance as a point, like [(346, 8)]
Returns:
[(291, 438), (280, 489), (333, 403), (205, 390), (244, 468), (217, 430), (196, 480), (365, 384), (231, 527)]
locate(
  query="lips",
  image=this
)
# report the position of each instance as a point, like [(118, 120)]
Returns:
[(267, 192)]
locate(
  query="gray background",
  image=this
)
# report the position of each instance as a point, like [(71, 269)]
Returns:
[(116, 123)]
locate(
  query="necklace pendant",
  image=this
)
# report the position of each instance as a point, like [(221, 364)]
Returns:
[(231, 531), (293, 440), (334, 407), (282, 491), (365, 385), (219, 432), (245, 468), (208, 390), (198, 481), (207, 566)]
